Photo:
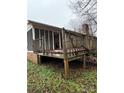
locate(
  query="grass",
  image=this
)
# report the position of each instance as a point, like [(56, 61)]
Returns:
[(46, 78)]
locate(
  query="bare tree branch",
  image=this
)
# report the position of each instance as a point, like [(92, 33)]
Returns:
[(86, 11), (92, 6), (86, 5)]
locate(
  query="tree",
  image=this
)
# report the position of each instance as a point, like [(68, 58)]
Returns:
[(86, 11), (74, 24)]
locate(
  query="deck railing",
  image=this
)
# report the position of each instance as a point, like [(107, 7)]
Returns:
[(36, 45)]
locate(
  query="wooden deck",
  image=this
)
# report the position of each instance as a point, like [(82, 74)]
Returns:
[(57, 42)]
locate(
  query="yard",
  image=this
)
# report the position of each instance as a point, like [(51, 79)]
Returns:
[(48, 78)]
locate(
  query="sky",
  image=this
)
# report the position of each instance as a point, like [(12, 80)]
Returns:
[(52, 12)]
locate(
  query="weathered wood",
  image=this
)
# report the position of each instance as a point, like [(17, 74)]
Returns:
[(44, 26), (43, 42), (66, 64), (40, 39), (53, 40), (47, 43), (45, 39), (38, 59), (60, 40), (84, 61), (66, 68), (33, 33), (48, 40)]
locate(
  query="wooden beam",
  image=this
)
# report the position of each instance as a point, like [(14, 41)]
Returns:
[(53, 40), (33, 33), (49, 40), (40, 39), (44, 41), (60, 40), (87, 42), (66, 64), (66, 68), (84, 61), (38, 59)]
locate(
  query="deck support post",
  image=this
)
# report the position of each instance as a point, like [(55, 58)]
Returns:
[(38, 59), (84, 61), (66, 63), (66, 68)]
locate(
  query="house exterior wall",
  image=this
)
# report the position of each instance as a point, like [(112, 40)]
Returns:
[(29, 40)]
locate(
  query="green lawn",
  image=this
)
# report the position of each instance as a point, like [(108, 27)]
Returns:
[(49, 79)]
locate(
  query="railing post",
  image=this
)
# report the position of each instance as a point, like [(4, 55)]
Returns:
[(33, 33), (43, 42), (45, 39), (53, 40), (39, 40), (48, 39), (60, 40), (66, 64), (33, 36)]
